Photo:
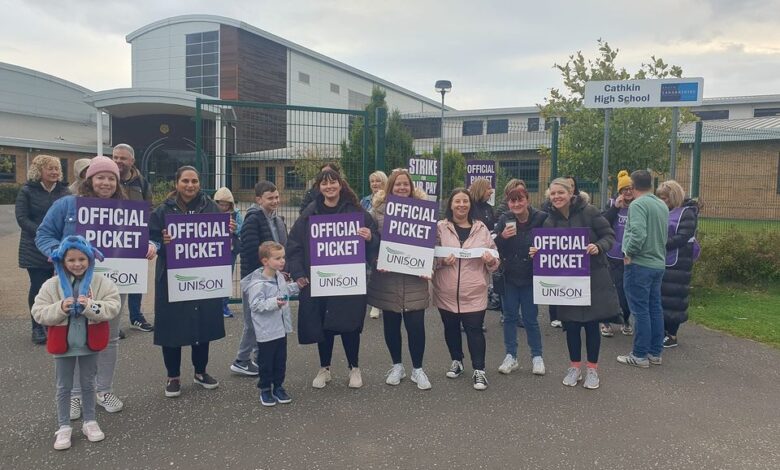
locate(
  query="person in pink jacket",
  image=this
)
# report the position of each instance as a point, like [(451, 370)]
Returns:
[(460, 284)]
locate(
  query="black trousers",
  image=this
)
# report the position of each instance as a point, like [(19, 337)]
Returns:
[(172, 359), (574, 340), (37, 277), (616, 272), (414, 321), (475, 337), (553, 310), (350, 341), (272, 362), (671, 327)]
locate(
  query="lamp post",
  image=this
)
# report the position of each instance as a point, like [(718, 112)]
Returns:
[(442, 86)]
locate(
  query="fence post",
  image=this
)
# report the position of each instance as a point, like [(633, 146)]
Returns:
[(366, 130), (198, 136), (379, 144), (554, 150), (696, 160)]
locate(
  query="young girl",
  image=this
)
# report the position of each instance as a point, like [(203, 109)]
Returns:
[(77, 301)]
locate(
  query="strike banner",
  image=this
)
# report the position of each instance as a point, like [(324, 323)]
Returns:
[(198, 256), (120, 230), (561, 266), (482, 169), (425, 175), (337, 254), (408, 236)]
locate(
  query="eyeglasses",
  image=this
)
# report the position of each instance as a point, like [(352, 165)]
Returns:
[(627, 189)]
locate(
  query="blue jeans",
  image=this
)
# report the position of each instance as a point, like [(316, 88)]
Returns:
[(520, 300), (134, 306), (643, 291)]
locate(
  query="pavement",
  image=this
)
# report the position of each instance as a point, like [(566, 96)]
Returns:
[(714, 404)]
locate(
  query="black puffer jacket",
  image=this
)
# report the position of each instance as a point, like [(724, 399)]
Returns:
[(484, 212), (517, 265), (255, 231), (676, 282), (32, 203)]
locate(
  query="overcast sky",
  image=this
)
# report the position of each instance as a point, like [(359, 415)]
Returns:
[(497, 53)]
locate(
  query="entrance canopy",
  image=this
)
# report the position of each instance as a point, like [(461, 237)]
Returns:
[(131, 102)]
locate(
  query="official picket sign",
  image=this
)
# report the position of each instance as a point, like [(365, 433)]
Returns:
[(655, 93), (561, 266), (120, 230), (482, 169), (425, 175), (198, 256), (408, 236), (337, 254)]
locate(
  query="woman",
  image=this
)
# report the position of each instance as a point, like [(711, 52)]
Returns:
[(43, 187), (683, 217), (192, 323), (480, 191), (566, 211), (377, 181), (311, 194), (514, 242), (102, 181), (320, 319), (223, 197), (460, 284), (402, 297), (80, 170)]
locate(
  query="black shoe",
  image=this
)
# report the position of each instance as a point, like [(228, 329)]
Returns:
[(38, 334), (281, 395), (142, 325), (206, 381), (173, 388), (267, 398), (670, 342)]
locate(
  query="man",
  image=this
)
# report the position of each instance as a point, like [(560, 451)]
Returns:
[(644, 257), (261, 224), (137, 189)]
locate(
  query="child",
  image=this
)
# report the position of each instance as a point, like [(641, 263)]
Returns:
[(224, 199), (267, 292), (76, 306)]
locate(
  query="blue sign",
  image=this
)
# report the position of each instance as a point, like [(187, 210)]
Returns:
[(680, 92)]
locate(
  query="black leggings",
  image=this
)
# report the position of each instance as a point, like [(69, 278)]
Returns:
[(475, 337), (574, 340), (414, 321), (172, 359), (350, 341), (671, 328), (37, 277)]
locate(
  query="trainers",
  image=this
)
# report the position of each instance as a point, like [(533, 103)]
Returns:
[(509, 364), (455, 370), (142, 325), (395, 374), (355, 379), (631, 360), (538, 365), (75, 408), (627, 330), (419, 377), (110, 402), (480, 380), (573, 375), (374, 313), (655, 360), (606, 330), (62, 438), (591, 379), (322, 378), (281, 396), (92, 431), (670, 342), (206, 381), (556, 324), (226, 312), (267, 398), (173, 388), (245, 368)]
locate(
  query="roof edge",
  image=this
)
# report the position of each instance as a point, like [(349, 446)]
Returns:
[(44, 76)]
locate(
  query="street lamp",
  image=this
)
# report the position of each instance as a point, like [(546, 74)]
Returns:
[(443, 87)]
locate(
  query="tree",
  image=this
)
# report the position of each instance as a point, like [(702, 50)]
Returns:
[(639, 137), (399, 143), (454, 169)]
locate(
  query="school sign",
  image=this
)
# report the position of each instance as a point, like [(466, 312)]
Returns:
[(658, 93)]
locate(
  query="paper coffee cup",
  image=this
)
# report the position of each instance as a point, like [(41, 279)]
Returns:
[(512, 224)]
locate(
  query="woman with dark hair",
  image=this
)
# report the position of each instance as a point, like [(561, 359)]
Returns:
[(311, 194), (320, 319), (460, 284)]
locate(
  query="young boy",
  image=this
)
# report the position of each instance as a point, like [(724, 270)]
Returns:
[(267, 292)]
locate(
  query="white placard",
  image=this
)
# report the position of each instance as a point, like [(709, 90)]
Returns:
[(463, 253), (129, 274), (658, 93), (338, 279), (562, 290), (199, 283)]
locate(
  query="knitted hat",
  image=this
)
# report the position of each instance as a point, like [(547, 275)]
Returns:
[(79, 243), (223, 194), (100, 165), (80, 165), (624, 180)]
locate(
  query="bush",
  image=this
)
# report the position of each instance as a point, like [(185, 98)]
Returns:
[(738, 257), (8, 192), (160, 191)]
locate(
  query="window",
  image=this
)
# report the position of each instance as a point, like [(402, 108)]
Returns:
[(498, 126), (7, 168), (291, 179), (710, 115), (472, 127), (304, 77), (248, 177), (270, 174), (533, 124), (335, 88), (423, 128), (202, 61), (764, 112), (526, 170)]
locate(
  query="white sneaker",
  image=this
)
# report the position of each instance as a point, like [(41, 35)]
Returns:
[(355, 379), (75, 408), (110, 402), (556, 324), (573, 375), (395, 374), (322, 378), (62, 438), (419, 377), (92, 431), (374, 313), (480, 380), (509, 364), (538, 363)]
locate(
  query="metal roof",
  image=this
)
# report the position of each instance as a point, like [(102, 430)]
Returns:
[(733, 130)]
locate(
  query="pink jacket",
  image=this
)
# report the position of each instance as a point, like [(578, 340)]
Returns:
[(462, 287)]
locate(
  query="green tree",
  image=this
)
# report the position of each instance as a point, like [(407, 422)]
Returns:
[(454, 169), (639, 137), (399, 143)]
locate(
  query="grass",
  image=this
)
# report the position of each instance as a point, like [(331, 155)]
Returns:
[(743, 312), (715, 227)]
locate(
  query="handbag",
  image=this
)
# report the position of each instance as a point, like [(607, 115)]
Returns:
[(57, 338), (97, 335)]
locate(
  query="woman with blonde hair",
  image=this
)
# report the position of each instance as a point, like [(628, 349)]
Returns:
[(481, 190), (377, 180)]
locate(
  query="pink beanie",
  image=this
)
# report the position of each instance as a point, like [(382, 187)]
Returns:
[(101, 165)]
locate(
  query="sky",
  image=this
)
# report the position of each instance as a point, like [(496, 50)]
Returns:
[(496, 53)]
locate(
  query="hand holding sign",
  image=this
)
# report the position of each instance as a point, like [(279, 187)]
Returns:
[(592, 249), (166, 237), (365, 233)]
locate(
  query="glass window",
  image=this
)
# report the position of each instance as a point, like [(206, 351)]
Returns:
[(211, 36), (710, 115), (248, 177), (533, 124), (472, 127), (202, 62), (210, 47), (7, 168), (270, 174), (303, 77), (211, 91), (195, 82), (335, 88), (210, 70), (194, 38), (209, 81), (193, 49), (291, 179), (526, 170), (498, 126), (763, 112)]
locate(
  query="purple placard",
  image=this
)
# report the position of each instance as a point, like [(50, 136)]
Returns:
[(561, 251), (410, 221), (481, 169), (333, 239), (119, 229), (198, 240)]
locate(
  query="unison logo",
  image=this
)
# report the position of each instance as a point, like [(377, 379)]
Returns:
[(400, 258), (327, 279), (197, 283), (556, 290), (119, 278)]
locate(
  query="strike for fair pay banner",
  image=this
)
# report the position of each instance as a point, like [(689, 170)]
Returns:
[(425, 175), (408, 236), (198, 256), (337, 254), (119, 229), (561, 266)]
